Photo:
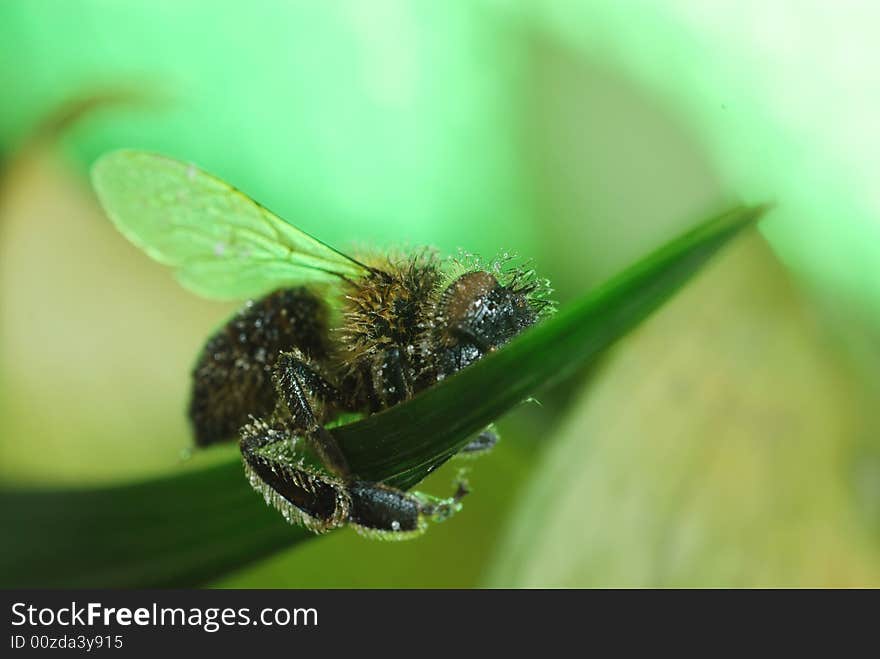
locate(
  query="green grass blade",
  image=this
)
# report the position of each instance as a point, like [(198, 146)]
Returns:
[(401, 444), (180, 530), (188, 528)]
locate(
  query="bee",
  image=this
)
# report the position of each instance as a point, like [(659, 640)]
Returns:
[(322, 335)]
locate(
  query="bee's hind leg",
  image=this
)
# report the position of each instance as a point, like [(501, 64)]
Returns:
[(303, 495), (302, 387), (374, 509), (384, 512)]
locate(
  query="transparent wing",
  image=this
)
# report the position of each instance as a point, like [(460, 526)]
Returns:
[(221, 243)]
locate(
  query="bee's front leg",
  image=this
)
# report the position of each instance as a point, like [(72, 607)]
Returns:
[(301, 387)]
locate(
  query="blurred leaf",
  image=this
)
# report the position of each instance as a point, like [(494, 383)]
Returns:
[(755, 87), (187, 528), (725, 443)]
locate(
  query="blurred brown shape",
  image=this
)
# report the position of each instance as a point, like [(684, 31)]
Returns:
[(78, 107)]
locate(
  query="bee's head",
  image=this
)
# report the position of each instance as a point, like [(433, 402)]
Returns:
[(478, 315)]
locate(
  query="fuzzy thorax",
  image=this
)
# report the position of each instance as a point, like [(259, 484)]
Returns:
[(392, 306), (414, 320)]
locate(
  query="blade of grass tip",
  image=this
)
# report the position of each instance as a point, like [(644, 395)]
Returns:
[(188, 528)]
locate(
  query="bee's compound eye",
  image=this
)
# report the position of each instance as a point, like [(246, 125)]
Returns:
[(478, 311), (467, 295)]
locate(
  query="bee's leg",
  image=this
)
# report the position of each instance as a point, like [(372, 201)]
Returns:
[(302, 388), (483, 443), (391, 377), (384, 512), (232, 378), (302, 495)]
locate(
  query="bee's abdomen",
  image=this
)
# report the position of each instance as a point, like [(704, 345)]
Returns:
[(232, 378)]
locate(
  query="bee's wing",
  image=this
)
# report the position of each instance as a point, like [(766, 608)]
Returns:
[(221, 243)]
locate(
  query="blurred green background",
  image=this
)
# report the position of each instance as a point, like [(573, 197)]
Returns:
[(731, 440)]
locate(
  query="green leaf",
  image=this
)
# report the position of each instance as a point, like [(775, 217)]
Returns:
[(179, 530), (188, 528)]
